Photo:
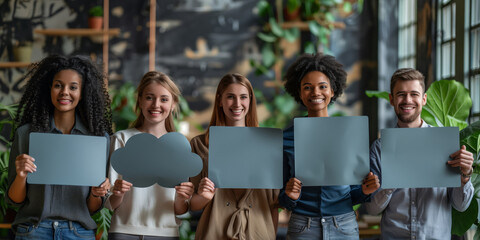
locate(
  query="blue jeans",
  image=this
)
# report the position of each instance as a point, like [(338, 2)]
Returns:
[(340, 227), (54, 229)]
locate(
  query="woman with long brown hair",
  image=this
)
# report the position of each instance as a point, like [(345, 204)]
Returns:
[(232, 213)]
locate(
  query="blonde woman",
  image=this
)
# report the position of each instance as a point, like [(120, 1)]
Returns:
[(148, 213)]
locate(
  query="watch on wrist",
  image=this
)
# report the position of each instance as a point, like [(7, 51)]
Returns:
[(469, 174)]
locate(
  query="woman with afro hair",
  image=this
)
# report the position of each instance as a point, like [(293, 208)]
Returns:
[(63, 95), (322, 212)]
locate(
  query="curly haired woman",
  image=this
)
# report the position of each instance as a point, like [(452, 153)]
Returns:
[(63, 95), (322, 212)]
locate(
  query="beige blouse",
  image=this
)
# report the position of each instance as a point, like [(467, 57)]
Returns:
[(234, 213)]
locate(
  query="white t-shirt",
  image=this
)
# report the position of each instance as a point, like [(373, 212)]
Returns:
[(143, 211)]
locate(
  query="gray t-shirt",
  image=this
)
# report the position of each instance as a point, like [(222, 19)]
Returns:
[(57, 202)]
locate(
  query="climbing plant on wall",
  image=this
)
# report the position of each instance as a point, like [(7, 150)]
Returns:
[(283, 24)]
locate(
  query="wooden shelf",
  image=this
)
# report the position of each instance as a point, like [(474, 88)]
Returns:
[(5, 225), (369, 232), (78, 32), (14, 64), (303, 26)]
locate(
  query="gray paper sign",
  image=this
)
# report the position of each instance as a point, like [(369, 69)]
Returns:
[(331, 150), (146, 160), (66, 159), (417, 157), (246, 157)]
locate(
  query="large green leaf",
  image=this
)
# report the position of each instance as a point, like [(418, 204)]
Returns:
[(293, 5), (276, 29), (268, 56), (270, 38), (314, 28), (103, 218), (469, 137), (329, 16), (347, 7), (453, 122), (263, 8), (310, 48), (477, 234), (292, 34), (11, 109), (447, 98), (462, 221), (260, 69), (378, 94), (285, 103)]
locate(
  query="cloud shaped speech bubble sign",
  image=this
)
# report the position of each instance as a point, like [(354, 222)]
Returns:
[(146, 160)]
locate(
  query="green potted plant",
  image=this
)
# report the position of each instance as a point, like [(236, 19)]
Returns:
[(292, 11), (7, 212), (95, 20)]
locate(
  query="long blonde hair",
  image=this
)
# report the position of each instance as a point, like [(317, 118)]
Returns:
[(218, 116), (167, 83)]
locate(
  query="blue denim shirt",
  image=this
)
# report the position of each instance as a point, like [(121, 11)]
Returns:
[(316, 201)]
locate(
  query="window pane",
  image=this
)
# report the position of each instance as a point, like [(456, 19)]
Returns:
[(476, 48), (401, 41), (413, 8), (475, 93), (452, 60), (401, 13), (446, 28), (453, 20), (412, 40), (475, 11), (446, 60), (406, 33), (411, 13)]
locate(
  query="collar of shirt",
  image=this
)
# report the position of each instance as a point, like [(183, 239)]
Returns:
[(78, 127), (424, 124)]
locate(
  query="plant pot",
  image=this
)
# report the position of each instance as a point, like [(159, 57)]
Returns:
[(22, 53), (95, 22), (291, 15)]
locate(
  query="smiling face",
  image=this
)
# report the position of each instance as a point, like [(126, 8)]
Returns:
[(316, 93), (66, 91), (156, 103), (407, 98), (235, 102)]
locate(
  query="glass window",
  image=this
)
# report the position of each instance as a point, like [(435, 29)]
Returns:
[(446, 41), (447, 45), (474, 57), (407, 32)]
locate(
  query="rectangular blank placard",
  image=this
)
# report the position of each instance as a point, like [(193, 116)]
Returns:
[(331, 150), (66, 159), (417, 157), (246, 157)]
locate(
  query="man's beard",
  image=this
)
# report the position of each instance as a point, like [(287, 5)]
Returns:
[(409, 118)]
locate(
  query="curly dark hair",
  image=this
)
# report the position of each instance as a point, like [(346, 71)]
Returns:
[(306, 63), (36, 106)]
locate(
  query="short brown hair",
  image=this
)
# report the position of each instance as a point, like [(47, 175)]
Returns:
[(407, 74)]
